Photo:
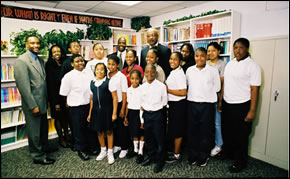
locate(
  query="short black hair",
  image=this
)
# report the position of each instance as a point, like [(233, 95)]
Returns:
[(202, 49), (215, 45), (75, 56), (244, 41), (31, 36), (138, 73), (114, 57), (179, 55)]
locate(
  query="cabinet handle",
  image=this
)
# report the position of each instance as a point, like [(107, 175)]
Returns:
[(276, 94)]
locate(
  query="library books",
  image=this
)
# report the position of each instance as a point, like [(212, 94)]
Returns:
[(7, 72), (176, 34), (51, 127), (175, 47), (225, 45), (10, 96), (14, 116), (21, 132), (8, 136), (218, 27), (130, 39)]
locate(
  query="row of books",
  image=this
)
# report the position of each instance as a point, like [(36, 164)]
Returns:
[(7, 71), (218, 27), (10, 135), (10, 96), (176, 34), (144, 38), (225, 45), (131, 39), (8, 117), (174, 47)]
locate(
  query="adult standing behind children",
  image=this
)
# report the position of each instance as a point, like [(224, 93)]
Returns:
[(30, 80), (213, 51), (238, 103), (165, 52), (57, 103)]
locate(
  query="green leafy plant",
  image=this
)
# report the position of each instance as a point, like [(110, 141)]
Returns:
[(191, 17), (98, 31), (18, 40), (62, 39), (140, 21)]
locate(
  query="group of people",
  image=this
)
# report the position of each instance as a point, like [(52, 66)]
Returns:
[(114, 104)]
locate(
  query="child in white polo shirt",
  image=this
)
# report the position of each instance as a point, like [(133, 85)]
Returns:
[(203, 84)]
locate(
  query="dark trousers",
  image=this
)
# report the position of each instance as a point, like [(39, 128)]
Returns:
[(37, 131), (200, 129), (154, 134), (235, 130), (121, 133), (84, 139)]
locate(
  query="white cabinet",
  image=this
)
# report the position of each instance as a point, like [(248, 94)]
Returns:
[(269, 139)]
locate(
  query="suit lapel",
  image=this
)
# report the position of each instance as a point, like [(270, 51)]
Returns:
[(37, 67)]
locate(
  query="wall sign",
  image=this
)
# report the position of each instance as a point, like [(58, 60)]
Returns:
[(54, 16)]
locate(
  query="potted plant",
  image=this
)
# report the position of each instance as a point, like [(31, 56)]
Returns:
[(4, 47), (98, 31), (140, 21), (62, 39), (18, 40)]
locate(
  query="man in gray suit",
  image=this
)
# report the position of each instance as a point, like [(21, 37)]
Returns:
[(30, 80)]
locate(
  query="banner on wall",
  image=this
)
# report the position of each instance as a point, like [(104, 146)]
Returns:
[(54, 16)]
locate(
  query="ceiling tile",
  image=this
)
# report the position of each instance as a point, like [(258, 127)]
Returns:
[(152, 5), (153, 13), (122, 15), (135, 11), (176, 2), (39, 3), (72, 8), (192, 3), (171, 9), (107, 6), (87, 4)]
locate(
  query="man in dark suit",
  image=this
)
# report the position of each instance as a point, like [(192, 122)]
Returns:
[(121, 52), (30, 79), (164, 52)]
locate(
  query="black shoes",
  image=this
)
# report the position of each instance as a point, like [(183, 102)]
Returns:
[(140, 159), (95, 152), (46, 161), (159, 167), (147, 162), (237, 167), (173, 158), (83, 156), (131, 154), (202, 163)]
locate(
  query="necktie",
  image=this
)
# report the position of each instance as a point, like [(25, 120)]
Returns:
[(38, 64), (121, 62)]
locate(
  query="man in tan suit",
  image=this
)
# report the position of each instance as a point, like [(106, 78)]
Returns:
[(30, 80)]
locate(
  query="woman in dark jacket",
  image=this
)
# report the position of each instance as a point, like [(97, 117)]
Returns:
[(57, 102)]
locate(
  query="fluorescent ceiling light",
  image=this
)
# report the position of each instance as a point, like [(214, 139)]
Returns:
[(126, 3)]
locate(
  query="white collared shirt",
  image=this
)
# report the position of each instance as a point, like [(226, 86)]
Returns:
[(76, 86), (203, 84), (134, 100), (123, 56), (160, 74), (90, 66), (118, 83), (98, 83), (176, 81), (153, 96), (238, 78)]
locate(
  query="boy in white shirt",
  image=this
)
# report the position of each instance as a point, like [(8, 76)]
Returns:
[(153, 99), (203, 84)]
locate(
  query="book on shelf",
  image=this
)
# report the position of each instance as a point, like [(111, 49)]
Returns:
[(10, 96), (174, 47), (13, 116), (51, 127), (8, 135), (218, 27), (21, 132), (7, 72), (130, 39), (176, 33)]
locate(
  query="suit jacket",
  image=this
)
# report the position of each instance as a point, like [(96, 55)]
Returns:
[(31, 82), (164, 56)]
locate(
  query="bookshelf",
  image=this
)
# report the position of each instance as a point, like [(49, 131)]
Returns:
[(13, 131), (222, 28)]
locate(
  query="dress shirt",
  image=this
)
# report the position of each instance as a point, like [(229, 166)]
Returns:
[(160, 74), (203, 84), (238, 77), (76, 86), (118, 83), (90, 66), (176, 81), (134, 100), (153, 96)]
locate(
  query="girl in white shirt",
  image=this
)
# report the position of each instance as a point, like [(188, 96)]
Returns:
[(99, 52), (203, 84), (134, 117), (176, 89), (118, 85)]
